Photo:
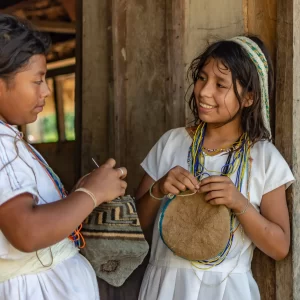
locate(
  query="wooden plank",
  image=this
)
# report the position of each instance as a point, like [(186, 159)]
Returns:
[(95, 79), (70, 7), (59, 108), (288, 135), (207, 21), (146, 89), (175, 105), (119, 31), (55, 26), (78, 90), (18, 6), (262, 21), (260, 16)]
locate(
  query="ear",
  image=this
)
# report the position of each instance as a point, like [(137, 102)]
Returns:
[(248, 99)]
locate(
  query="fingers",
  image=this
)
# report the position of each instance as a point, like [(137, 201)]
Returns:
[(209, 187), (182, 179), (214, 179), (191, 182), (214, 195), (217, 201), (110, 163), (123, 184), (122, 172)]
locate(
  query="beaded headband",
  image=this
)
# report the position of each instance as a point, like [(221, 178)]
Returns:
[(260, 61)]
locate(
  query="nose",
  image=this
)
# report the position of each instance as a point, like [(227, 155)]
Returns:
[(206, 89), (46, 91)]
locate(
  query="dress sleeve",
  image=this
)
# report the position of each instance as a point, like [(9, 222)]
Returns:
[(154, 162), (277, 170), (16, 174)]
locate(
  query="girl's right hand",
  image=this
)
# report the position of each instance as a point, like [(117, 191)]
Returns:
[(175, 181), (105, 182)]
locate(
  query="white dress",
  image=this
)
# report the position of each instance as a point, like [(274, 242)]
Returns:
[(70, 279), (169, 277)]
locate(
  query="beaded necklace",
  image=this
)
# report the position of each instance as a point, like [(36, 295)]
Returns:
[(76, 236), (237, 162)]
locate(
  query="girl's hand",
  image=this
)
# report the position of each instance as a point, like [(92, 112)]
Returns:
[(221, 190), (175, 181), (106, 183)]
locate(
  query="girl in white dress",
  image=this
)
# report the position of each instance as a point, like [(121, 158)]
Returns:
[(233, 82), (39, 256)]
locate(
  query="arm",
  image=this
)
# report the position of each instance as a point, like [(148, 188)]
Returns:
[(176, 180), (147, 207), (270, 230), (29, 228)]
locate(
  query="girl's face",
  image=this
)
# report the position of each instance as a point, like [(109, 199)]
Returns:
[(24, 98), (214, 93)]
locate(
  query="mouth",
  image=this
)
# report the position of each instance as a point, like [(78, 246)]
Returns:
[(206, 106), (39, 108)]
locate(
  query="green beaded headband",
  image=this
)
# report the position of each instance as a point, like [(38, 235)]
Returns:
[(261, 64)]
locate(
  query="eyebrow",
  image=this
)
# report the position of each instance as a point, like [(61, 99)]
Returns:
[(218, 77), (40, 73)]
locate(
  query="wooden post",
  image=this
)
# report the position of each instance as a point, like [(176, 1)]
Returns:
[(260, 20), (95, 79), (288, 135)]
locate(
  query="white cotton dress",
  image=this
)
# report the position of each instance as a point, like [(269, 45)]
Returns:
[(70, 279), (169, 277)]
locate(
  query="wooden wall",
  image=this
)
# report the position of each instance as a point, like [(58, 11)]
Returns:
[(135, 54), (261, 20)]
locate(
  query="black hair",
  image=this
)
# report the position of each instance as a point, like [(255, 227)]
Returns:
[(19, 41), (244, 71)]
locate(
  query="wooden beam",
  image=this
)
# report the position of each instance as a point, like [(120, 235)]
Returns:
[(119, 49), (70, 7), (260, 18), (78, 90), (287, 136), (175, 104), (95, 81), (61, 71), (21, 5), (55, 26), (61, 63)]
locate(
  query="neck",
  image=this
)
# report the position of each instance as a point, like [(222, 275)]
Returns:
[(218, 135)]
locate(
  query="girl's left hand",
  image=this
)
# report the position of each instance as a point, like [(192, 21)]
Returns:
[(221, 190)]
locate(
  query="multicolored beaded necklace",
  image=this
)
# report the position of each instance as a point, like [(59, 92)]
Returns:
[(237, 163), (76, 236)]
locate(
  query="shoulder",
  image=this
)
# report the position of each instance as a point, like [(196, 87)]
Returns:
[(175, 134), (265, 150)]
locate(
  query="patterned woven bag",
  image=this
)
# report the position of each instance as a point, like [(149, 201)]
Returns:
[(115, 243)]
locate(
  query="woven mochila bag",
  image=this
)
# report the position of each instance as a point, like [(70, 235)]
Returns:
[(115, 243)]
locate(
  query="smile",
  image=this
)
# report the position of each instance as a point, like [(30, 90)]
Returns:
[(206, 105)]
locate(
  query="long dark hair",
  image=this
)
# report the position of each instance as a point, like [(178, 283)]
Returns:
[(19, 41), (243, 70)]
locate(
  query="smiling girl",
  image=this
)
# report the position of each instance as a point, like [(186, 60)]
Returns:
[(227, 156)]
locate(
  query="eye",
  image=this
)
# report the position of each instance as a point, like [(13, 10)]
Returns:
[(221, 86), (39, 82), (202, 78)]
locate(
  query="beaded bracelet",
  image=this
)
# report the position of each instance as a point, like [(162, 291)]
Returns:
[(150, 192), (244, 210), (170, 196), (88, 193)]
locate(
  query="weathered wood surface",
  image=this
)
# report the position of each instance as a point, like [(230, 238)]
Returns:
[(260, 20), (135, 55), (95, 78), (288, 135)]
